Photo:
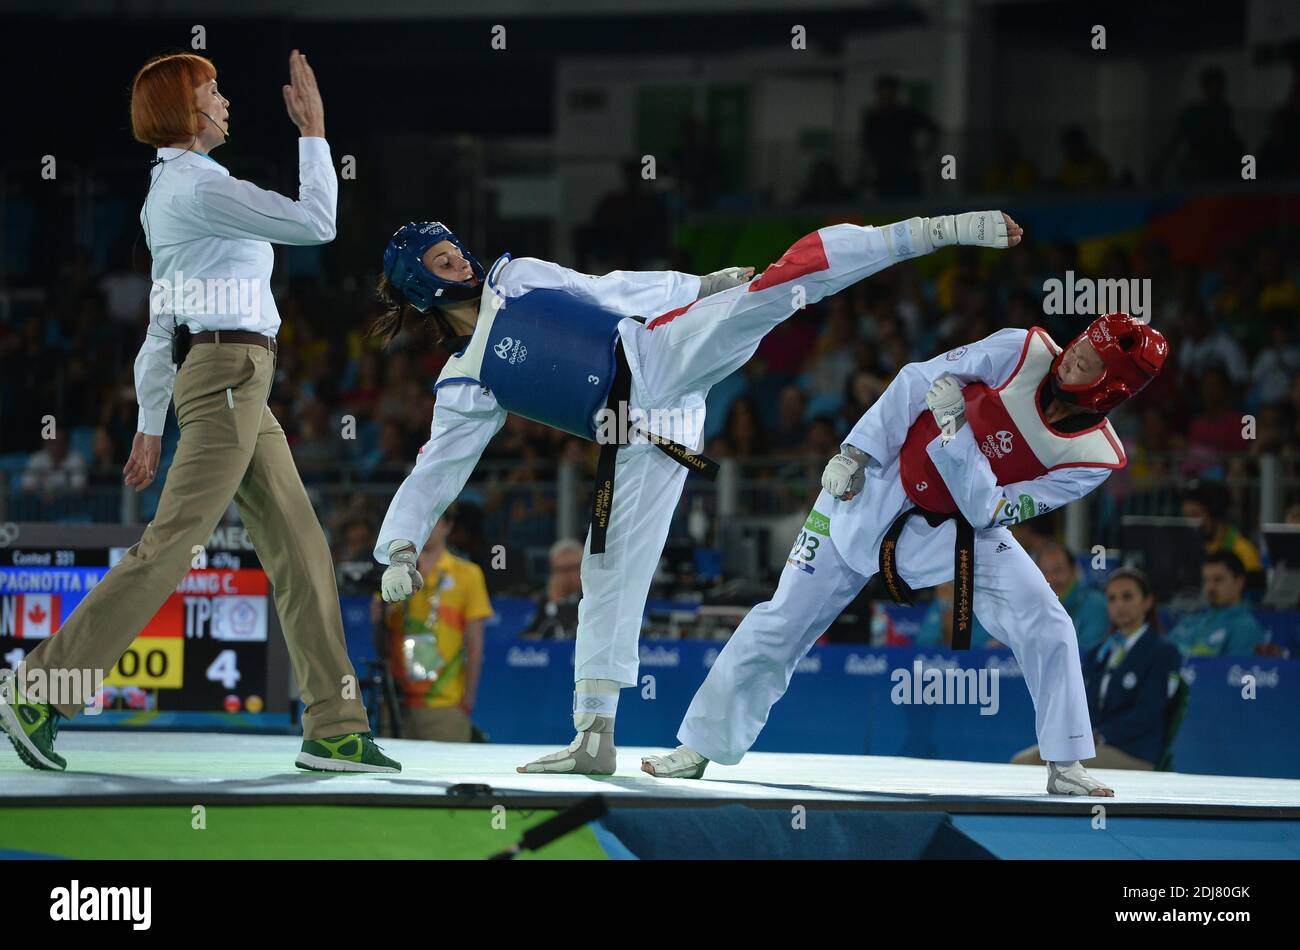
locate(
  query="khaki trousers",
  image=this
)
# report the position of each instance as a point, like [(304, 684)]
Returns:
[(1107, 757), (230, 445)]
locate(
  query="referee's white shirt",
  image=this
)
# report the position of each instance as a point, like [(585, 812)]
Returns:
[(210, 236)]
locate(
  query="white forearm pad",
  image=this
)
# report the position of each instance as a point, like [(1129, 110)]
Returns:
[(907, 239), (977, 228), (401, 552)]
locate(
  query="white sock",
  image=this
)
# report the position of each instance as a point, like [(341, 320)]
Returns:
[(592, 698)]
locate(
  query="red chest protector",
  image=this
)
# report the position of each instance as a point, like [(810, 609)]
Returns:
[(1010, 430)]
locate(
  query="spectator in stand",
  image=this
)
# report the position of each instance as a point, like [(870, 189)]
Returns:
[(356, 543), (895, 139), (784, 351), (1226, 627), (1278, 290), (557, 608), (861, 391), (1082, 166), (316, 445), (1279, 155), (1151, 459), (1238, 287), (1271, 427), (1205, 143), (790, 430), (1207, 502), (397, 371), (743, 437), (391, 453), (1129, 677), (1217, 425), (1277, 364), (823, 437), (1011, 172), (54, 469), (105, 464), (833, 354), (1085, 605), (1205, 345), (896, 354), (628, 229), (360, 397), (824, 184), (126, 288)]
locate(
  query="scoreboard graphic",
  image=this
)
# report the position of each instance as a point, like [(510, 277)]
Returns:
[(205, 650)]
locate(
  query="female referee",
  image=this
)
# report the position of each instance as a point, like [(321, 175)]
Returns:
[(211, 348)]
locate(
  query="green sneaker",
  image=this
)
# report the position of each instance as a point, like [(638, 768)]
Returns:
[(31, 727), (354, 752)]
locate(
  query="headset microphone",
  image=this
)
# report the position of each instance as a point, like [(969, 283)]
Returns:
[(216, 123)]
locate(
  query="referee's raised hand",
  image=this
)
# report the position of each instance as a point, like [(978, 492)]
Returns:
[(302, 97), (142, 466)]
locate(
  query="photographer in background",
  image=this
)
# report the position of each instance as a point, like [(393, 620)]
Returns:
[(557, 607)]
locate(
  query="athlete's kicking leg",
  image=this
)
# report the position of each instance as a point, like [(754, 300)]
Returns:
[(702, 344)]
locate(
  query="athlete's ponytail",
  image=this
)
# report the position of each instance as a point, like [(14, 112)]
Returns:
[(389, 323)]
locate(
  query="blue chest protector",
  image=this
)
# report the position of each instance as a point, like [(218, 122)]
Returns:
[(551, 358)]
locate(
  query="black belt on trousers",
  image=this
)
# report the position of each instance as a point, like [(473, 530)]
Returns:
[(963, 570), (602, 495)]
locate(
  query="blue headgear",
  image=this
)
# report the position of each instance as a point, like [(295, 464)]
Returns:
[(406, 271)]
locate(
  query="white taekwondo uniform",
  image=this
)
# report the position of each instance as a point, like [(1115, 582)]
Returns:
[(838, 550), (674, 360)]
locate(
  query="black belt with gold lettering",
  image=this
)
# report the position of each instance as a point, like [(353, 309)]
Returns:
[(602, 495), (963, 570)]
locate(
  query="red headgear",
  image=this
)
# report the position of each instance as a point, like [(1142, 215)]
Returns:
[(1131, 352)]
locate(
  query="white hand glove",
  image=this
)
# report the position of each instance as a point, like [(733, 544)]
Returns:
[(945, 400), (978, 228), (843, 476), (724, 279), (402, 579)]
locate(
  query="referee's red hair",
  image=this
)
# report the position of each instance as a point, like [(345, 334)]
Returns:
[(162, 98)]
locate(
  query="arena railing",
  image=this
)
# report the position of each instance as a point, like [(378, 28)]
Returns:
[(520, 511)]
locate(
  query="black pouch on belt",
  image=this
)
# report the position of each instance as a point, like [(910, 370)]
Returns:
[(180, 344)]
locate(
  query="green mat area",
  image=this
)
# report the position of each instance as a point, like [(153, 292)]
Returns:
[(280, 831)]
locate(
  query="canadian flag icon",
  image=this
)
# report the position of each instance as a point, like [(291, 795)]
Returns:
[(38, 616)]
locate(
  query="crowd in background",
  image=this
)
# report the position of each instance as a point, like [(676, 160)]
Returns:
[(356, 415), (345, 403)]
